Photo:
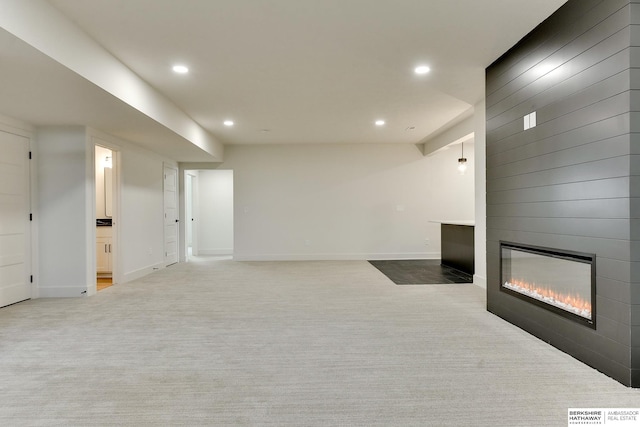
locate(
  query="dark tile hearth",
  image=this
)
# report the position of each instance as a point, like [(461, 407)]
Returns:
[(420, 272)]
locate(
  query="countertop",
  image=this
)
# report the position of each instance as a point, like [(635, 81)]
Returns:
[(454, 222)]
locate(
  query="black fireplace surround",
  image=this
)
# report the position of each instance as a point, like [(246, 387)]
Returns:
[(560, 281)]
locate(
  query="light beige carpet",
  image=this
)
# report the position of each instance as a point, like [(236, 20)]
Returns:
[(226, 343)]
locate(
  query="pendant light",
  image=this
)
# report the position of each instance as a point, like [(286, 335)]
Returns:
[(462, 161)]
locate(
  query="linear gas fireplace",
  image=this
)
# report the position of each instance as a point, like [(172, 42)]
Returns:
[(560, 281)]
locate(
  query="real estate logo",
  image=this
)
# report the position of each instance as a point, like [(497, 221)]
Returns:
[(603, 416)]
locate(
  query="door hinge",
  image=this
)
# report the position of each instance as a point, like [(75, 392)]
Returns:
[(29, 155), (31, 279), (30, 217)]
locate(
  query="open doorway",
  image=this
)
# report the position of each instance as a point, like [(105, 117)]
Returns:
[(105, 167), (209, 213)]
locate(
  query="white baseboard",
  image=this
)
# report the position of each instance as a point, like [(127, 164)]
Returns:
[(133, 275), (224, 251), (62, 292), (335, 257), (480, 281)]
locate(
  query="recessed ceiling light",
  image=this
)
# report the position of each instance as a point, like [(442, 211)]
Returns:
[(180, 69), (228, 122), (379, 122), (422, 69)]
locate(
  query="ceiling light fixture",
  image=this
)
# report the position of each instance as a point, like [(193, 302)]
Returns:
[(379, 122), (228, 122), (462, 161), (422, 69), (180, 69)]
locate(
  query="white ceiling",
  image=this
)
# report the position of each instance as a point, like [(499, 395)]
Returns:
[(286, 71)]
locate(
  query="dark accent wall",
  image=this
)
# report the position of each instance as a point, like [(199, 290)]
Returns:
[(573, 181)]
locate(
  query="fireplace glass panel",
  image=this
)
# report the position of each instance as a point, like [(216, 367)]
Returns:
[(559, 281)]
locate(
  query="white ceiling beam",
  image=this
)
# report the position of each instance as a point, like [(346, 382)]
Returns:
[(462, 131), (42, 26)]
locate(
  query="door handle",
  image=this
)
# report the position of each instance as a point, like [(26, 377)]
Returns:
[(177, 220)]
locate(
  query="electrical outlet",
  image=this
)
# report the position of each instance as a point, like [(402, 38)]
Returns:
[(427, 242), (307, 242)]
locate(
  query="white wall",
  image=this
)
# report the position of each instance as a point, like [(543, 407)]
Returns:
[(65, 210), (479, 119), (345, 201), (215, 212), (65, 203), (139, 219)]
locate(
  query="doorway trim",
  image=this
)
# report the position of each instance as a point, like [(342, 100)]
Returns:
[(185, 171), (172, 215), (191, 212), (116, 170)]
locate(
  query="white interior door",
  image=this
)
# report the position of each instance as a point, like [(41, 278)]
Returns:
[(170, 215), (192, 212), (189, 210), (15, 244)]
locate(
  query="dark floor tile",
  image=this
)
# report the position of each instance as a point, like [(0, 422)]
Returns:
[(420, 272)]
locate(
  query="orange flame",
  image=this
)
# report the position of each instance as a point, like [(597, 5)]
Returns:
[(576, 302)]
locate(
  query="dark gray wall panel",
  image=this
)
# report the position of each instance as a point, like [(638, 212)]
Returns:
[(551, 37), (591, 171), (529, 141), (634, 118), (615, 310), (634, 58), (635, 18), (576, 74), (613, 361), (572, 119), (603, 247), (549, 89), (635, 78), (635, 314), (635, 142), (635, 292), (616, 290), (611, 188), (634, 186), (615, 330), (606, 132), (565, 155), (613, 269), (610, 208), (586, 227), (573, 181), (613, 26), (635, 164)]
